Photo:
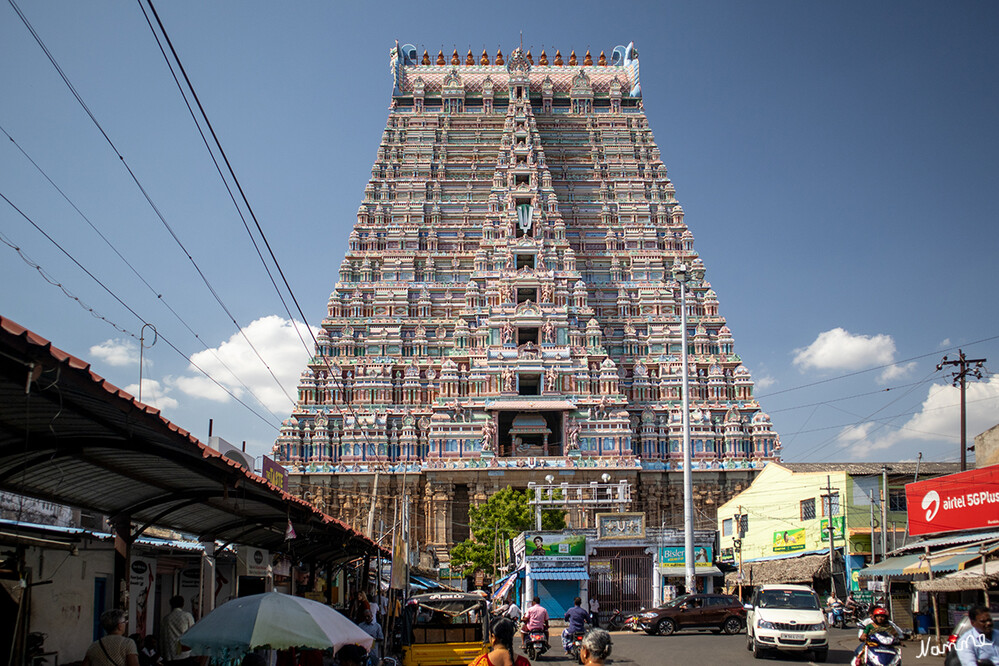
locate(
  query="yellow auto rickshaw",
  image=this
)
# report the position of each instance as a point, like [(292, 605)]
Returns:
[(444, 629)]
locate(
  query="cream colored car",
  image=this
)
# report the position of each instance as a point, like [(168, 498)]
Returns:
[(788, 618)]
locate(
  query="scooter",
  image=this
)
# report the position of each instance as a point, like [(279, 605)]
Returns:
[(536, 644), (616, 621), (881, 649), (837, 618), (577, 643)]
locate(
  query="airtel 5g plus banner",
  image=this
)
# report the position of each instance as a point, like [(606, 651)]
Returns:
[(963, 501)]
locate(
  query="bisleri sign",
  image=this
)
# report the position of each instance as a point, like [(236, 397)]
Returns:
[(963, 501)]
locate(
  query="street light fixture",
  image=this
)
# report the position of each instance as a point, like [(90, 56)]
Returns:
[(680, 274)]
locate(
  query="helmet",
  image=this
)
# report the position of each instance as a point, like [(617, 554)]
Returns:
[(878, 611)]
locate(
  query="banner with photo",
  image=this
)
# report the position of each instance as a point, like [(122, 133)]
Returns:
[(673, 556), (549, 546), (786, 541), (838, 523)]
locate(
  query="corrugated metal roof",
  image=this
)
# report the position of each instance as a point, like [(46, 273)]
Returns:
[(76, 439), (560, 573), (866, 469), (950, 539)]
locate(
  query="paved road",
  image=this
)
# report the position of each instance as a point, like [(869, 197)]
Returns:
[(695, 648)]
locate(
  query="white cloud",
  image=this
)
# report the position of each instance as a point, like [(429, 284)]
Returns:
[(233, 363), (939, 416), (838, 349), (944, 343), (896, 371), (765, 382), (117, 353), (154, 394)]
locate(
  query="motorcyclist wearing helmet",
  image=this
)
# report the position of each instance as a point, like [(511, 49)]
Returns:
[(879, 623)]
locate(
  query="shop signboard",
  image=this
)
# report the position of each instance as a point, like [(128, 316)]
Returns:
[(254, 561), (786, 541), (274, 473), (673, 556), (838, 523), (555, 546), (963, 501)]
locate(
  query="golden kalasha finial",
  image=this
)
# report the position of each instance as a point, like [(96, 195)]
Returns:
[(544, 58), (469, 59), (587, 60), (603, 60), (572, 58), (440, 57), (558, 58), (499, 57), (530, 58), (484, 60), (455, 60), (426, 58)]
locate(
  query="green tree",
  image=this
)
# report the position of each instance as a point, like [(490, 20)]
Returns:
[(503, 516)]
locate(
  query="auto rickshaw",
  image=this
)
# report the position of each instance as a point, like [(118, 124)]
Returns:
[(444, 629)]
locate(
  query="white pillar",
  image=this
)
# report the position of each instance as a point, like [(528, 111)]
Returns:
[(207, 577)]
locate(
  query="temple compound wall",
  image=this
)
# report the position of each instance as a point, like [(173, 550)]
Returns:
[(507, 309)]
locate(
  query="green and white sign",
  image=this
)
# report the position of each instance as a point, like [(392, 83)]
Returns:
[(541, 546), (838, 523), (673, 556), (787, 541)]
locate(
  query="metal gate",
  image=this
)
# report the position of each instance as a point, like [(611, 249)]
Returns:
[(621, 579)]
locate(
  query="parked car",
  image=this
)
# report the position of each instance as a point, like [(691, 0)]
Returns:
[(787, 618), (721, 612)]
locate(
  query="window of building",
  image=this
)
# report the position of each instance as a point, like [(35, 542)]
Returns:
[(830, 505), (744, 526), (525, 335), (529, 385), (525, 294), (525, 261), (808, 509), (727, 527), (896, 499)]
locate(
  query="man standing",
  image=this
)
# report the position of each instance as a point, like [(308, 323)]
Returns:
[(594, 612), (535, 619), (981, 642), (175, 623), (373, 629)]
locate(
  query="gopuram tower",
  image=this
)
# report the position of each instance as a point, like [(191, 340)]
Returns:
[(506, 309)]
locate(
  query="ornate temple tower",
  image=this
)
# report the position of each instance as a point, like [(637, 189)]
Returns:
[(506, 310)]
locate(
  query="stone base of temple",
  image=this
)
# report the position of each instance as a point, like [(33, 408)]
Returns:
[(441, 492)]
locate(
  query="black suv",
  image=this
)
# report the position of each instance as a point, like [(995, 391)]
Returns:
[(722, 612)]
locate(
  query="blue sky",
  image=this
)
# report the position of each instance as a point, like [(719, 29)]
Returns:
[(833, 159)]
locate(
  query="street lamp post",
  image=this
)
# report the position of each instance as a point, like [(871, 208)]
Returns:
[(680, 273)]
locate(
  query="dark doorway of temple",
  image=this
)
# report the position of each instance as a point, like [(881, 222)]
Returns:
[(459, 513), (526, 434), (621, 579)]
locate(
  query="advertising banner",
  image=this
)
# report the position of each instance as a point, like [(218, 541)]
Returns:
[(673, 556), (274, 473), (548, 546), (787, 541), (142, 578), (838, 522), (963, 501)]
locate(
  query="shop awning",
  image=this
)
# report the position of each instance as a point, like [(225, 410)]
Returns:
[(699, 571), (560, 573), (974, 577), (915, 564), (502, 586)]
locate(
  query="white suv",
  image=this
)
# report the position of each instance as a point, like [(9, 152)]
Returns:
[(787, 618)]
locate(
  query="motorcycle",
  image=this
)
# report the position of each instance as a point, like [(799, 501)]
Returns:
[(855, 616), (577, 643), (536, 644), (881, 649), (616, 621), (836, 615)]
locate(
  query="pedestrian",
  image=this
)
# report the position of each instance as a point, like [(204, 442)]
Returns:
[(594, 611), (981, 642), (115, 648), (596, 648), (513, 610), (175, 623), (501, 653), (373, 629), (149, 655)]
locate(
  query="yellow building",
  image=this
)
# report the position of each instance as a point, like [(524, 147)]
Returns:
[(785, 513)]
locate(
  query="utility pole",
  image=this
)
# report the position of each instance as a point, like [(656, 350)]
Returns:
[(870, 499), (960, 377), (827, 501), (884, 524), (371, 509), (737, 544)]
